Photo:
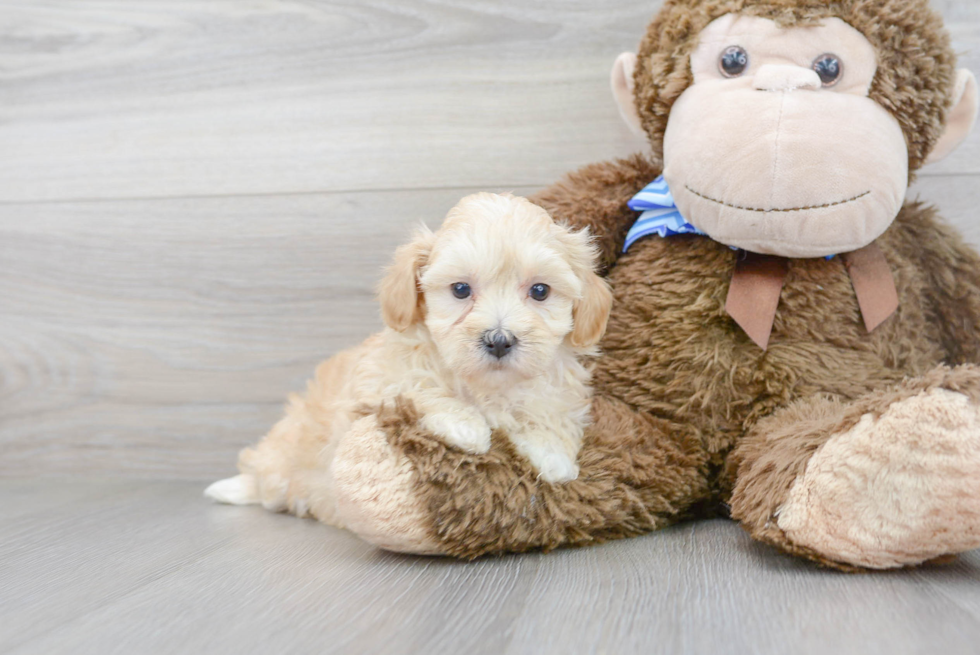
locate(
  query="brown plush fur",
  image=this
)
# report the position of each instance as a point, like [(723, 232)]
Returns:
[(688, 410), (593, 197), (916, 66)]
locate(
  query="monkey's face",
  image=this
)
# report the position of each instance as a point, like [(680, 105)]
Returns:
[(777, 148)]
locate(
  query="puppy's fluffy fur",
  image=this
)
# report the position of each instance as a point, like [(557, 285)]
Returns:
[(437, 351)]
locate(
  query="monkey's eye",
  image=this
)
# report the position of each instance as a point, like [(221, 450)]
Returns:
[(734, 60), (829, 69), (461, 290), (539, 291)]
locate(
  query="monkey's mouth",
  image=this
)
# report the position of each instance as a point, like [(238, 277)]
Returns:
[(777, 210)]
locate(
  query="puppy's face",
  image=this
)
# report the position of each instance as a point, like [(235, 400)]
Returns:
[(500, 288)]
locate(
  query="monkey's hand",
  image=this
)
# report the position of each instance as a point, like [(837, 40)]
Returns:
[(403, 489)]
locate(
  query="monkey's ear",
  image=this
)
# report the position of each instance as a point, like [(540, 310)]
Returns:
[(398, 293), (961, 118), (622, 88)]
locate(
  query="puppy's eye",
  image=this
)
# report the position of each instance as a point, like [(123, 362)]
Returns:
[(829, 69), (733, 61), (539, 291), (461, 290)]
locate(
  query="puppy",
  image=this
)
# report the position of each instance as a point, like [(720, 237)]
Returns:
[(487, 322)]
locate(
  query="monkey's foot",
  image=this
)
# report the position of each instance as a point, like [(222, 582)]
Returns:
[(892, 491)]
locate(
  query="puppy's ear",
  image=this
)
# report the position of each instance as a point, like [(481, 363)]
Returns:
[(398, 293), (591, 313)]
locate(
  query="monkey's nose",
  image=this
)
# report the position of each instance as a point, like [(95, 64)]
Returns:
[(499, 342), (779, 77)]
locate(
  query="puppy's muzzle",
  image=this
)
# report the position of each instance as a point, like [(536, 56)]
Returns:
[(499, 342)]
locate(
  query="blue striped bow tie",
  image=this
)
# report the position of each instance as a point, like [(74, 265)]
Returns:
[(660, 214)]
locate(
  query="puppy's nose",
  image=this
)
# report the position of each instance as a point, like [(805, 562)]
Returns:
[(498, 342)]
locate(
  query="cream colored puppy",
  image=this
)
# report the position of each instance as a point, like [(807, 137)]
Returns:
[(488, 319)]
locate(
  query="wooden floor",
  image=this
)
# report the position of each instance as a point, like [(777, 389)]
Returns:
[(133, 567), (196, 200)]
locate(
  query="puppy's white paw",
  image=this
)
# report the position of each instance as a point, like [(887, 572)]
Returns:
[(239, 490), (548, 457), (556, 467), (470, 434)]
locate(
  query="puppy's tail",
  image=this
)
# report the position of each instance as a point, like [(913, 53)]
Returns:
[(239, 490)]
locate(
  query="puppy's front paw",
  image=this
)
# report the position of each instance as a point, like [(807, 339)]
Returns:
[(470, 434), (557, 467), (548, 458)]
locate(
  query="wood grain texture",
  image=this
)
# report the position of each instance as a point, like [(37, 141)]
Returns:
[(159, 337), (115, 99), (149, 568)]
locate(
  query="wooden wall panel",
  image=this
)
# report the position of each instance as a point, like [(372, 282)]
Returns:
[(116, 99), (196, 196)]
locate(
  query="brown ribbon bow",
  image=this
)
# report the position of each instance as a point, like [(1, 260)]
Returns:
[(758, 280)]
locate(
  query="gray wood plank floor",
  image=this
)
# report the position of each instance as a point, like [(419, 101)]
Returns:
[(134, 567)]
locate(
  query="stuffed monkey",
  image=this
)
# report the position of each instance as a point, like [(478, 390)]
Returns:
[(789, 342)]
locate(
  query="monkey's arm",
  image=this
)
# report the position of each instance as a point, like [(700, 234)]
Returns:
[(400, 489), (595, 197), (952, 271)]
